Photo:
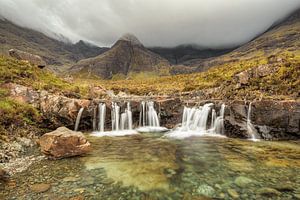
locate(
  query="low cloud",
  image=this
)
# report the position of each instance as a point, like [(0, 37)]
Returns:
[(209, 23)]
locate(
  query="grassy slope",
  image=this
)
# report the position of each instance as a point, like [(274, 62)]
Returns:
[(282, 84), (19, 118)]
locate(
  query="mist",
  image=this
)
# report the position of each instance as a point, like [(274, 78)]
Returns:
[(167, 23)]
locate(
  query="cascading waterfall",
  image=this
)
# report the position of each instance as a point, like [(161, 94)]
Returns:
[(101, 116), (78, 119), (250, 128), (152, 115), (148, 120), (121, 122), (142, 119), (218, 126), (126, 118), (195, 119), (195, 122), (115, 116), (148, 115)]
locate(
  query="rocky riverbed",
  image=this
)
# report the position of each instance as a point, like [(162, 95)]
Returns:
[(151, 167)]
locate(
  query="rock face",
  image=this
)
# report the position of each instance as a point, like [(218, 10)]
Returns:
[(271, 119), (63, 143), (127, 55), (32, 59)]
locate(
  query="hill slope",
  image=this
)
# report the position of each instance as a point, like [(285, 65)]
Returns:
[(284, 37), (54, 52), (127, 55)]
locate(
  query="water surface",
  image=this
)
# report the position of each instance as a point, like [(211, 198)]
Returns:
[(151, 167)]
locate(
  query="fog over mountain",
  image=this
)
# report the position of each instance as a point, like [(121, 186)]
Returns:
[(208, 23)]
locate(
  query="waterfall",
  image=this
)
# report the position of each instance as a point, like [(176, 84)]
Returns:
[(101, 116), (115, 116), (78, 119), (219, 122), (126, 118), (148, 115), (195, 122), (94, 119), (213, 119), (195, 119), (142, 119), (250, 128)]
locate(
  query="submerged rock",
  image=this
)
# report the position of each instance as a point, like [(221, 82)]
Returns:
[(63, 143), (242, 181), (39, 188), (205, 190), (233, 193), (268, 192)]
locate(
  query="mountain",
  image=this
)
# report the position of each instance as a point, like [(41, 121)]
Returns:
[(127, 55), (179, 54), (54, 52), (279, 38)]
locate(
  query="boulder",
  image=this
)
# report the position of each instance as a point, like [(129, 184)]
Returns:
[(31, 58), (63, 143)]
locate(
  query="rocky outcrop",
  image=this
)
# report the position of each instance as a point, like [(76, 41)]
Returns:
[(63, 143), (271, 119), (31, 58)]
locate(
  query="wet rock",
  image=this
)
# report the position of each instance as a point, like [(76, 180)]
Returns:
[(297, 196), (268, 192), (39, 188), (285, 187), (205, 190), (242, 181), (233, 193), (70, 179), (63, 143)]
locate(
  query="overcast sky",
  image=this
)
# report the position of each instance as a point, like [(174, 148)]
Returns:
[(210, 23)]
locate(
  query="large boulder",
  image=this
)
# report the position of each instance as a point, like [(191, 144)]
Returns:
[(63, 143), (31, 58)]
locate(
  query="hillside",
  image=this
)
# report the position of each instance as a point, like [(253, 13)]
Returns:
[(54, 52), (283, 37), (127, 56)]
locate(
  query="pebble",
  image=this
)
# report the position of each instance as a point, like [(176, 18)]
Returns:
[(233, 193)]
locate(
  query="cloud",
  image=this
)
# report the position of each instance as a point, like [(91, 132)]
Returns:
[(210, 23)]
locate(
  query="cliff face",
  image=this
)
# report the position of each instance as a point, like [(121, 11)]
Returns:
[(126, 55)]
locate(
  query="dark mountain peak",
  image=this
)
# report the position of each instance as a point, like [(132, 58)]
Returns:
[(128, 37)]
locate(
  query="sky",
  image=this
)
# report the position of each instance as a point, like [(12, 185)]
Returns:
[(166, 23)]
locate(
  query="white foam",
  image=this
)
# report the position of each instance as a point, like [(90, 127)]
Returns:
[(114, 133), (178, 134), (152, 129)]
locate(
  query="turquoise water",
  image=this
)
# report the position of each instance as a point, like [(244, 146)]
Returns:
[(151, 167)]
